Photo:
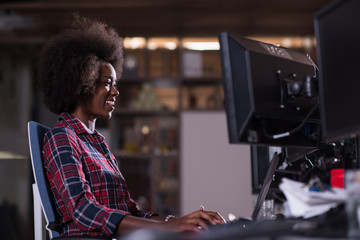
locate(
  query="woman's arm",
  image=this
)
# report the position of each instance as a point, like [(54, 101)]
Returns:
[(190, 222)]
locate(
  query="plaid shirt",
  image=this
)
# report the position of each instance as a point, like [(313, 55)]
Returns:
[(90, 193)]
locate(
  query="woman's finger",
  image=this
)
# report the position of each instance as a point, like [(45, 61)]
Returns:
[(217, 216)]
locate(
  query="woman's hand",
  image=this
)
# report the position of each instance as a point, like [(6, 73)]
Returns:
[(195, 222)]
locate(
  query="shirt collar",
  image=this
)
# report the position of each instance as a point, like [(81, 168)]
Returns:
[(87, 129), (78, 126)]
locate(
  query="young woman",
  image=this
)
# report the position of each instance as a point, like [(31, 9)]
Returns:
[(78, 72)]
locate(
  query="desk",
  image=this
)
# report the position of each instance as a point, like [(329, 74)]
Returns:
[(292, 229), (283, 229)]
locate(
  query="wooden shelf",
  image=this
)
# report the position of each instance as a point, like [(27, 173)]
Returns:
[(134, 112), (201, 81), (162, 81)]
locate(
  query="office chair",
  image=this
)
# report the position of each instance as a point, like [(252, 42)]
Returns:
[(41, 190)]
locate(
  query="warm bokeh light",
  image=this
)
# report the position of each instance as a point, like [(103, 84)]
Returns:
[(211, 43), (134, 42)]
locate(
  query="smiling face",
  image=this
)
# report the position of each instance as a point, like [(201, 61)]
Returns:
[(102, 103)]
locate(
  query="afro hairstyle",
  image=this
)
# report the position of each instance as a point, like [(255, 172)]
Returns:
[(70, 63)]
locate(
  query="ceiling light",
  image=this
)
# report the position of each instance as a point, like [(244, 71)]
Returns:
[(152, 45), (201, 46), (170, 45), (134, 42)]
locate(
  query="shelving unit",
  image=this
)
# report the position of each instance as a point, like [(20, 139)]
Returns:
[(155, 88)]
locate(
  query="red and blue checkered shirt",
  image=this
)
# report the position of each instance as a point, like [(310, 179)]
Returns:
[(91, 196)]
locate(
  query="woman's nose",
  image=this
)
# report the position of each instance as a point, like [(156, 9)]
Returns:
[(114, 91)]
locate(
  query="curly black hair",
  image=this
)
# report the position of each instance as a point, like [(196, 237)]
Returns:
[(70, 63)]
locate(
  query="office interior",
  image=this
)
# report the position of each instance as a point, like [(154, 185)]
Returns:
[(171, 58)]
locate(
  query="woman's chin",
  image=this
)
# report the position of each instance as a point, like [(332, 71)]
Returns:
[(109, 115)]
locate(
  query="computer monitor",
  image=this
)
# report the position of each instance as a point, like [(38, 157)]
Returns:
[(338, 58), (260, 161), (265, 186), (268, 94)]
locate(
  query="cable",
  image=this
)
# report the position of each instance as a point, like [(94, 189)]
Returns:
[(288, 133)]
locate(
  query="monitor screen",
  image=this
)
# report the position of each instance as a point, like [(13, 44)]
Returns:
[(338, 58), (267, 100)]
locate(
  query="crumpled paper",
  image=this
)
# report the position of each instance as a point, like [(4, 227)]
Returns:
[(304, 203)]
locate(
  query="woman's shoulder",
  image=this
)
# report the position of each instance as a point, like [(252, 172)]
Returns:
[(60, 131)]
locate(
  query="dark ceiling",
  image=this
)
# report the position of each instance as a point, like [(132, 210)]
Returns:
[(34, 21)]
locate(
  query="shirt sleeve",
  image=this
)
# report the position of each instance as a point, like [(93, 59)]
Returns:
[(64, 171), (138, 213), (134, 210)]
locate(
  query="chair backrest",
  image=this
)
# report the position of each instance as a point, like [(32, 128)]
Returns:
[(36, 133)]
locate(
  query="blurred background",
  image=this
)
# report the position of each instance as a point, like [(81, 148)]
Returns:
[(171, 81)]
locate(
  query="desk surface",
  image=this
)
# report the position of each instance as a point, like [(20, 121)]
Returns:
[(284, 229)]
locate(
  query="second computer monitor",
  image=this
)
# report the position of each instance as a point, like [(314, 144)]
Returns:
[(269, 95), (338, 52)]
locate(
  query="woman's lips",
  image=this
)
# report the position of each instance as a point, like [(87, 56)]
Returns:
[(111, 103)]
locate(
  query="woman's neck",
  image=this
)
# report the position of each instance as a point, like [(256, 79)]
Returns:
[(84, 118)]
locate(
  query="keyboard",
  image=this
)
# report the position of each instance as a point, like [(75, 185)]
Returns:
[(237, 223), (244, 228)]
